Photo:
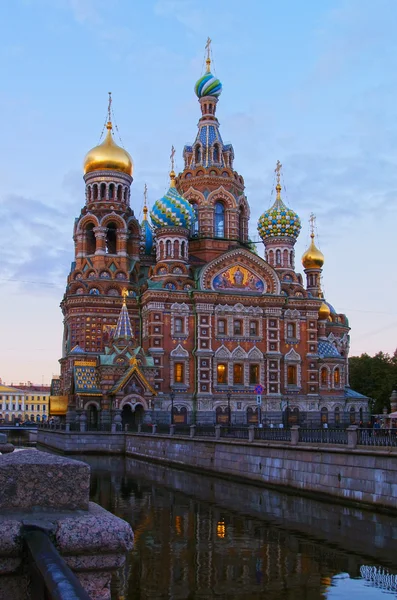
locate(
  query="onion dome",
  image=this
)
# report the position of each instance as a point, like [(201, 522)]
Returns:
[(172, 210), (324, 311), (208, 84), (108, 156), (279, 220), (147, 233), (313, 258)]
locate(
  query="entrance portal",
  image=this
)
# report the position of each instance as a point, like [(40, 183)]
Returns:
[(130, 417), (92, 417)]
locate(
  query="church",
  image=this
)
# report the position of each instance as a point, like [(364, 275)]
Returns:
[(183, 319)]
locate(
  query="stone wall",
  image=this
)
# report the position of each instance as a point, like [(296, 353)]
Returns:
[(354, 475), (82, 443)]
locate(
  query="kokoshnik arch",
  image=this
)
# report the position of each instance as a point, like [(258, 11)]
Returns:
[(179, 312)]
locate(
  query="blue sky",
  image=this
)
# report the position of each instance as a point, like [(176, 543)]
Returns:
[(311, 83)]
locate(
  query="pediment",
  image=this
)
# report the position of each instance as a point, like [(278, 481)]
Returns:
[(240, 272), (179, 351)]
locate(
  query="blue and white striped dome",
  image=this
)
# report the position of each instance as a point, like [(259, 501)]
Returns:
[(172, 210), (208, 85)]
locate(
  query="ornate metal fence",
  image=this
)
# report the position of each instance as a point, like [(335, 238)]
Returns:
[(323, 436), (275, 434), (376, 437)]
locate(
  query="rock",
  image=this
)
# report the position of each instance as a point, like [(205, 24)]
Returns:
[(6, 448)]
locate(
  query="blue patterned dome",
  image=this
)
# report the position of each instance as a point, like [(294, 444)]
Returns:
[(208, 85), (147, 233), (172, 210), (279, 220)]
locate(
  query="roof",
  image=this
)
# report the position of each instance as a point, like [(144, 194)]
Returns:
[(327, 350), (4, 389), (349, 393), (77, 350), (123, 327)]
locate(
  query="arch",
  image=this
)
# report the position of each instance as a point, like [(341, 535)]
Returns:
[(92, 415), (95, 191), (176, 249), (111, 193), (324, 371), (183, 250), (337, 416), (252, 415), (90, 239), (285, 258), (102, 191), (222, 415), (292, 416), (119, 192), (221, 194), (111, 238), (88, 218), (278, 258), (216, 153), (336, 377), (134, 400), (117, 220), (255, 354), (324, 415), (219, 219), (168, 248)]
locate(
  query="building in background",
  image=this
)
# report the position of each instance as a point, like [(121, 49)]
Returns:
[(182, 319), (26, 403)]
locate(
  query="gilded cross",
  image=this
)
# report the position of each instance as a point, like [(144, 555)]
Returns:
[(277, 170), (145, 194), (172, 157), (124, 293), (110, 106), (208, 48), (312, 222)]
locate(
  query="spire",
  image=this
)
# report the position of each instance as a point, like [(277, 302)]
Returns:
[(208, 61), (123, 327), (145, 209), (109, 123), (172, 172), (277, 170)]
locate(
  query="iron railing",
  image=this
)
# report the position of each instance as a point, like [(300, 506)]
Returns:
[(241, 433), (323, 436), (377, 437), (275, 434)]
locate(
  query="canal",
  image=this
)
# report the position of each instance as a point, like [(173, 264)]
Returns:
[(198, 537)]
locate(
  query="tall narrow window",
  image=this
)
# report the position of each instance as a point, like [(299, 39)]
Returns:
[(253, 328), (291, 330), (195, 223), (219, 220), (198, 155), (324, 415), (216, 153), (238, 327), (337, 416), (222, 373), (352, 415), (179, 372), (111, 239), (111, 191), (90, 240), (178, 325), (278, 257), (221, 326), (168, 248), (336, 377), (238, 374), (324, 377), (291, 375), (254, 374)]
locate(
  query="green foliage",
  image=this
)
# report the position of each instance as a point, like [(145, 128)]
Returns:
[(374, 376)]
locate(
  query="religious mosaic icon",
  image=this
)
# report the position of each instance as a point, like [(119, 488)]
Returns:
[(238, 278)]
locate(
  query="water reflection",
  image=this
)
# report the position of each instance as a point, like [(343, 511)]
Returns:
[(197, 537)]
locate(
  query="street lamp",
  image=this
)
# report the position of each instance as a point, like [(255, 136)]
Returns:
[(229, 395), (172, 407)]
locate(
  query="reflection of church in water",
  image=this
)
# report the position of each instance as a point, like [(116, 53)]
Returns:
[(186, 307)]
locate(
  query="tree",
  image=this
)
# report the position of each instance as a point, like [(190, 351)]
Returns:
[(374, 376)]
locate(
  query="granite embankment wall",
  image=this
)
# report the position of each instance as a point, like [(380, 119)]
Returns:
[(357, 475)]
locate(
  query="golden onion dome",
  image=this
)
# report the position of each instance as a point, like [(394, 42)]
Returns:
[(313, 258), (324, 312), (108, 156)]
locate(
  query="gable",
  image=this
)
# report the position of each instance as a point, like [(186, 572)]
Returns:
[(240, 271)]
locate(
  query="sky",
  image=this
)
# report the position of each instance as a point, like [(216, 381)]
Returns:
[(312, 84)]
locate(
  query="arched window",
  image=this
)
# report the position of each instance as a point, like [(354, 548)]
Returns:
[(111, 191), (352, 415), (168, 248), (198, 155), (219, 220), (216, 153), (89, 193), (183, 250), (90, 240), (95, 191), (324, 415), (324, 377), (103, 191), (291, 259), (119, 192), (285, 258), (125, 194), (361, 414), (336, 377), (278, 257), (195, 223), (337, 416), (176, 249), (111, 239)]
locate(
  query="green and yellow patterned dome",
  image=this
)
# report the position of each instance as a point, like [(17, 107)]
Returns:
[(279, 220)]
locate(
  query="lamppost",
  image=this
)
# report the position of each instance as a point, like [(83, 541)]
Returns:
[(172, 406), (229, 395)]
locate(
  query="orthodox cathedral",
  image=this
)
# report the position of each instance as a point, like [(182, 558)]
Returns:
[(180, 319)]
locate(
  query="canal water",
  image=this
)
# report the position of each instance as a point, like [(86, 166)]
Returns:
[(198, 537)]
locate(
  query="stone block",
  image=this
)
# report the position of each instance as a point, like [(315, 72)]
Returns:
[(3, 438), (30, 479)]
